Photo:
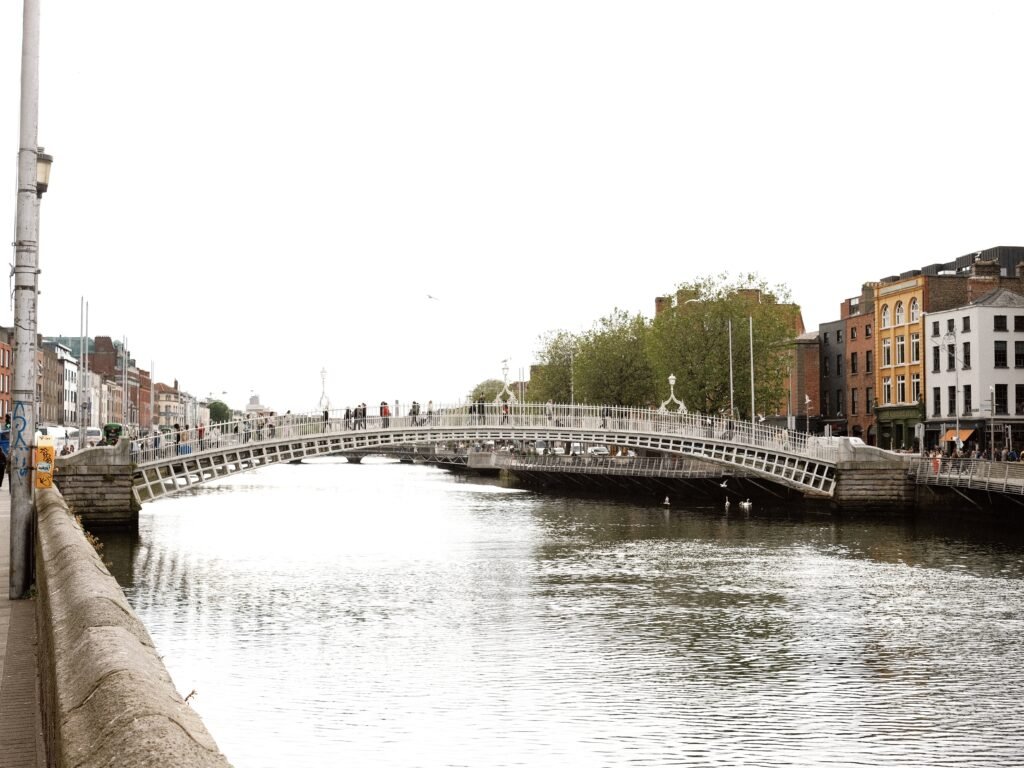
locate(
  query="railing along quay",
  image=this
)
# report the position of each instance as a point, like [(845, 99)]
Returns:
[(977, 474)]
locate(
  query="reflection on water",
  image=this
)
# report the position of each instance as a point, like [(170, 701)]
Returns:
[(391, 615)]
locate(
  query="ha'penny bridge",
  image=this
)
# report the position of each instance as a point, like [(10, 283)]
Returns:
[(639, 442)]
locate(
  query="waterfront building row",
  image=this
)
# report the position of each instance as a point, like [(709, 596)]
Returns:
[(97, 384), (919, 355)]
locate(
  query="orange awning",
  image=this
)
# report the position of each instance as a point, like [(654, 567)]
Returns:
[(950, 435)]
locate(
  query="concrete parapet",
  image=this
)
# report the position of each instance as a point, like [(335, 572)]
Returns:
[(97, 484), (107, 698)]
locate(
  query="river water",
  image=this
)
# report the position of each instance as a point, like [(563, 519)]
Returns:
[(392, 615)]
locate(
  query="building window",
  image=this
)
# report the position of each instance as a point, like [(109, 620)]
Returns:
[(951, 325), (901, 350), (951, 357), (885, 316), (886, 353), (839, 365), (825, 337), (935, 328), (825, 397), (1018, 323), (869, 402), (966, 363), (853, 401), (824, 366), (1018, 401), (899, 313), (839, 336), (915, 347), (965, 324), (951, 397), (999, 322), (967, 400), (1000, 354), (853, 333), (869, 359), (839, 402), (887, 390), (936, 402), (867, 330), (1002, 406), (915, 387), (901, 388), (1018, 354), (853, 362), (936, 352), (915, 311)]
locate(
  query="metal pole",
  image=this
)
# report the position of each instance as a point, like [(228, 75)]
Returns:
[(751, 319), (152, 391), (732, 405), (26, 292), (81, 370), (992, 421)]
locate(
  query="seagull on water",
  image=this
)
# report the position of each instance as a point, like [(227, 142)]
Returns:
[(666, 501), (432, 297), (724, 483), (745, 504), (760, 418)]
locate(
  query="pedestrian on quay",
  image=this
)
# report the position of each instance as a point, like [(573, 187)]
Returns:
[(430, 411), (385, 414), (504, 413)]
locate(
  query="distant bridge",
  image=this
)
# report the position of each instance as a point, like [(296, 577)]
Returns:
[(177, 461)]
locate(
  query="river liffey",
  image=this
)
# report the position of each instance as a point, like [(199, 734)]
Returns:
[(383, 614)]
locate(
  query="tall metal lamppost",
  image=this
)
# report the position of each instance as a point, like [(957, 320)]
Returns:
[(950, 341), (33, 179), (992, 420)]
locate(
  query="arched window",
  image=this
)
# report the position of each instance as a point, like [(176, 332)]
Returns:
[(915, 311), (899, 313), (885, 316)]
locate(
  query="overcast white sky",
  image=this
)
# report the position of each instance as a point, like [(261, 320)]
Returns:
[(253, 191)]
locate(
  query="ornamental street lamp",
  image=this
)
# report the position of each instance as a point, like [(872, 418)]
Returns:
[(950, 341)]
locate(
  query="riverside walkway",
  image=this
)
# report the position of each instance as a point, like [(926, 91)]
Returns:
[(21, 729), (171, 462)]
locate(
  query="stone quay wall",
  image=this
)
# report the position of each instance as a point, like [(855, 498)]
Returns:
[(107, 698), (96, 483), (872, 480)]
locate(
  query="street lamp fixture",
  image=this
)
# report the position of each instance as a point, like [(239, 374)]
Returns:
[(672, 396), (43, 163)]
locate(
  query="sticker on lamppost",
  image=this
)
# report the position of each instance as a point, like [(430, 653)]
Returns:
[(44, 455)]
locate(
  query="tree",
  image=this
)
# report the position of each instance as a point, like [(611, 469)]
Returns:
[(612, 366), (487, 390), (219, 412), (691, 339), (551, 377)]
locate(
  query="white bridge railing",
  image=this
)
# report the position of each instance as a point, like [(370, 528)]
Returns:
[(601, 423)]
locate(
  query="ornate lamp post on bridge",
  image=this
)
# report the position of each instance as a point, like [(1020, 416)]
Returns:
[(672, 397)]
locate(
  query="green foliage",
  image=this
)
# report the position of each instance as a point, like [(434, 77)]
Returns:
[(219, 412), (611, 366), (551, 378), (692, 341), (487, 390)]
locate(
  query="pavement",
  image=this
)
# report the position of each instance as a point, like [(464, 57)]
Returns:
[(21, 729)]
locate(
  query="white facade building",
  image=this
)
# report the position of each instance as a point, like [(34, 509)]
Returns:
[(976, 373)]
